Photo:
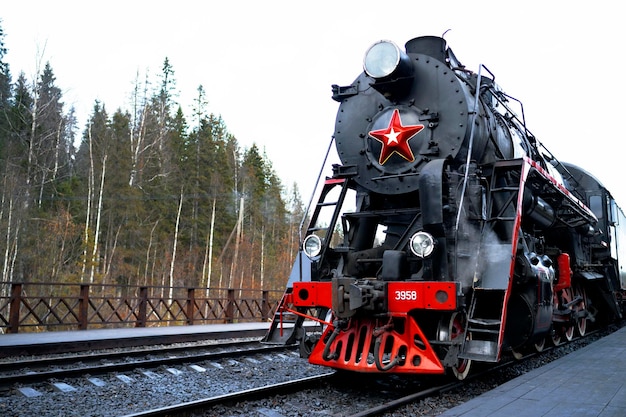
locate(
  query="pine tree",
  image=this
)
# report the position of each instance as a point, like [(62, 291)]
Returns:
[(5, 100), (49, 145), (20, 120)]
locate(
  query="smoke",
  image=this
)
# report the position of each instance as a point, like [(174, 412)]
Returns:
[(482, 259)]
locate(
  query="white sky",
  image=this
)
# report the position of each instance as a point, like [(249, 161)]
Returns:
[(267, 66)]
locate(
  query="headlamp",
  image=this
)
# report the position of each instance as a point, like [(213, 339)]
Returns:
[(312, 246), (384, 59), (422, 244)]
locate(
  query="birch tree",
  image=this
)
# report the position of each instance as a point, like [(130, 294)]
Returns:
[(92, 163), (175, 245)]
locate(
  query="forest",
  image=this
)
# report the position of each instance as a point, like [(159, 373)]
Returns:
[(145, 195)]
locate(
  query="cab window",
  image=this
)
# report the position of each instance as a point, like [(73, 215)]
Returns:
[(595, 204)]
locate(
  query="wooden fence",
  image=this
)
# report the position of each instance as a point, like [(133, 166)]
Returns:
[(59, 306)]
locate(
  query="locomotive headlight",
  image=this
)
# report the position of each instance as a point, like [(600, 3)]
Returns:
[(384, 59), (312, 246), (422, 244)]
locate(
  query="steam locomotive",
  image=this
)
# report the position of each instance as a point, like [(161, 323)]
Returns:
[(448, 234)]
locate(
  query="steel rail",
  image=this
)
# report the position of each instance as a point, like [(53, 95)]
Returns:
[(108, 355), (279, 388), (35, 377)]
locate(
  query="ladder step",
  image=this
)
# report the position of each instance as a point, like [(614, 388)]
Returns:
[(329, 203), (485, 322), (487, 331), (483, 350)]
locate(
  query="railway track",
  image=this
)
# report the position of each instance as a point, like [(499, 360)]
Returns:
[(238, 381), (372, 400), (141, 378), (246, 395), (39, 370), (366, 396)]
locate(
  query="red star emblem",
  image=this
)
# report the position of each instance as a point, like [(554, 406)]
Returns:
[(395, 138)]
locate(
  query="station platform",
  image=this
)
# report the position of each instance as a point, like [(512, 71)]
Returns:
[(14, 344), (590, 382)]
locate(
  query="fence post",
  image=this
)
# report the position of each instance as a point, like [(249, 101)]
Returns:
[(230, 306), (14, 307), (142, 315), (191, 306), (83, 307), (265, 306)]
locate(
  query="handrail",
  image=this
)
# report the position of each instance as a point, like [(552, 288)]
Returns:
[(29, 306)]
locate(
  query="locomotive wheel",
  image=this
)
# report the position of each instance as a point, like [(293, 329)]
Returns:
[(540, 344), (568, 332), (520, 352), (581, 322), (517, 354), (307, 343), (557, 337), (449, 330)]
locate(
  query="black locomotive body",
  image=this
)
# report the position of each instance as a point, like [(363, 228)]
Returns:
[(448, 234)]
